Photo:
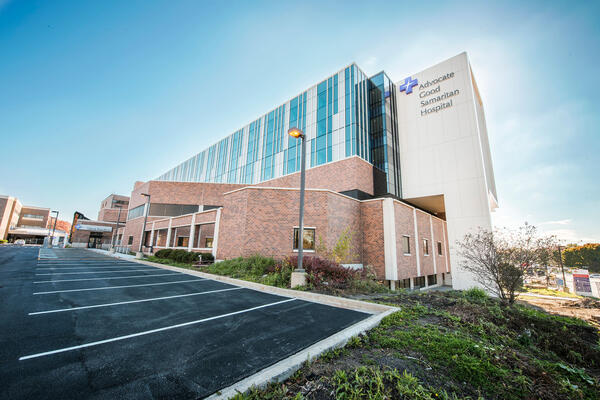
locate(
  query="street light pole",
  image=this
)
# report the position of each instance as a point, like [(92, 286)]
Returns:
[(144, 226), (301, 223), (299, 275), (54, 228)]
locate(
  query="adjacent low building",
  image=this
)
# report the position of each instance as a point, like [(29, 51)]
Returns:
[(405, 167), (101, 234), (29, 223)]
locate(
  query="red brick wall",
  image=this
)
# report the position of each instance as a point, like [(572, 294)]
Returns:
[(181, 193), (438, 235), (350, 173), (372, 230), (407, 264), (425, 233), (262, 221), (34, 222), (111, 215)]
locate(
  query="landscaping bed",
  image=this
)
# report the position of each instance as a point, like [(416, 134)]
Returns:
[(454, 345), (323, 276)]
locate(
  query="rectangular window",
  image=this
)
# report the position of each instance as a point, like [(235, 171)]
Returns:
[(208, 243), (439, 244), (136, 212), (308, 238), (33, 216), (406, 245), (404, 283), (130, 240), (182, 241), (426, 247), (419, 282), (431, 280)]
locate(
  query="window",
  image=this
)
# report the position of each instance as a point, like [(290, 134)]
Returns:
[(136, 212), (439, 244), (208, 243), (426, 247), (33, 216), (171, 210), (406, 245), (182, 241), (404, 283), (130, 240), (431, 279), (419, 282), (308, 238)]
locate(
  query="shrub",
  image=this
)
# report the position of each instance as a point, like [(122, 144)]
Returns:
[(325, 274), (164, 253), (476, 295), (179, 255), (192, 257)]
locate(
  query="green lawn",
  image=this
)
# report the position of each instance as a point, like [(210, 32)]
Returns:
[(451, 345)]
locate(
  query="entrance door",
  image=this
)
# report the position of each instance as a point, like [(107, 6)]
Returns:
[(95, 240)]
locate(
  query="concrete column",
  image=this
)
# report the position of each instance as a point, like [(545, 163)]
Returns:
[(389, 240), (417, 252), (433, 245), (446, 255), (412, 283), (192, 232), (216, 234), (168, 244), (152, 235)]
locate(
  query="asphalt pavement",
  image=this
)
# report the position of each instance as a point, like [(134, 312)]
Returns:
[(77, 324)]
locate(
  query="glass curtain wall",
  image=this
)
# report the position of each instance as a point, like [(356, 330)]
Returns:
[(344, 115)]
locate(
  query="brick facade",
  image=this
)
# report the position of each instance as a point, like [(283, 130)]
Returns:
[(260, 219), (348, 174)]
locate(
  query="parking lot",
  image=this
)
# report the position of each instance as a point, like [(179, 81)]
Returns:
[(76, 324)]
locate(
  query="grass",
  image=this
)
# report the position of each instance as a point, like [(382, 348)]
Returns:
[(550, 292), (167, 261), (450, 345), (256, 268)]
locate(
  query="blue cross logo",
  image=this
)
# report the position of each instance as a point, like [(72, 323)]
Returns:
[(408, 84)]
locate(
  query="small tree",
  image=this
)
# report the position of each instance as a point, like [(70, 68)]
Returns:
[(343, 250), (499, 259)]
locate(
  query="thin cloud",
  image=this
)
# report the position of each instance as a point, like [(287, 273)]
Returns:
[(559, 222)]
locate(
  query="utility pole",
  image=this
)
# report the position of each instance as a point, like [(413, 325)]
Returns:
[(562, 267)]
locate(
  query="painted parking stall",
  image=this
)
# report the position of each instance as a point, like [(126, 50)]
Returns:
[(84, 325)]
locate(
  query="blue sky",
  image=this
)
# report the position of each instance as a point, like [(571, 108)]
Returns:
[(95, 95)]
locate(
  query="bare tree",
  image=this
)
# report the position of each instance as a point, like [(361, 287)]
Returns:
[(499, 259)]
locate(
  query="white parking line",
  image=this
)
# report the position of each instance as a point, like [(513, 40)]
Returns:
[(120, 287), (133, 301), (108, 277), (115, 339), (120, 266), (84, 263), (92, 272)]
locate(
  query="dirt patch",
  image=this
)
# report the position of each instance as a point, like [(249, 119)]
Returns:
[(586, 309)]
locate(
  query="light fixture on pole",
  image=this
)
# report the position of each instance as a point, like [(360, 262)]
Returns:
[(299, 275), (139, 253)]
